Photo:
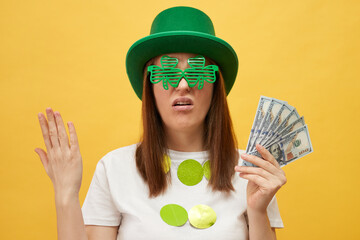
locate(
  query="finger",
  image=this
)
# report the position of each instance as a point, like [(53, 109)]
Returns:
[(63, 138), (267, 155), (258, 180), (262, 163), (45, 131), (255, 171), (43, 157), (52, 128), (74, 144)]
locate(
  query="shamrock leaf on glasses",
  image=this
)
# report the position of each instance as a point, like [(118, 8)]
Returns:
[(198, 72), (166, 73)]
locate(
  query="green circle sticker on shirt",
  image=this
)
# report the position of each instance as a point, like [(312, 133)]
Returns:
[(207, 172), (174, 215), (202, 216), (190, 172)]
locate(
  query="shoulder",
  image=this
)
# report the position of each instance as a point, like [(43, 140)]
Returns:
[(119, 158), (122, 151)]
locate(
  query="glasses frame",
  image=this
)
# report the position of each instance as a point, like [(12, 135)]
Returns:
[(198, 73)]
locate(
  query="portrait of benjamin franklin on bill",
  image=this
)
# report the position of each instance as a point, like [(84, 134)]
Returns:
[(275, 150)]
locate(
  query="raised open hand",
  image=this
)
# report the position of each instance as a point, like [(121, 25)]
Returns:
[(62, 161)]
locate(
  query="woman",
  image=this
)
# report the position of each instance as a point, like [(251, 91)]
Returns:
[(156, 189)]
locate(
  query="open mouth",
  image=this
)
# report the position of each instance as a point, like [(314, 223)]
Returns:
[(182, 104)]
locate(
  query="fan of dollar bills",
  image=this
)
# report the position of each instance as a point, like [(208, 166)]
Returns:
[(280, 129)]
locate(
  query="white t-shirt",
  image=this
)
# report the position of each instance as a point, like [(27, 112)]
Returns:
[(118, 196)]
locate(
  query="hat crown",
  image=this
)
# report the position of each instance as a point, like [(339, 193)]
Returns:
[(182, 19)]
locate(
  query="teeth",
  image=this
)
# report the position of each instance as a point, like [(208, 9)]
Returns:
[(182, 103)]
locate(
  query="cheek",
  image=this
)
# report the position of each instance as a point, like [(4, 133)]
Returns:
[(157, 93), (161, 97), (206, 95)]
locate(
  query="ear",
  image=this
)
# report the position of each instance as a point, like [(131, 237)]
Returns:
[(197, 62), (168, 62)]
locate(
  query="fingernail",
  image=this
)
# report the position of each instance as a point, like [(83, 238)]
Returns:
[(39, 115), (244, 155), (48, 110)]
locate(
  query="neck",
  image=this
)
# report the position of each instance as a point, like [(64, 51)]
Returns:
[(190, 140)]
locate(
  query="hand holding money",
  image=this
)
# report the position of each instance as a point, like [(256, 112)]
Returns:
[(279, 128), (264, 181)]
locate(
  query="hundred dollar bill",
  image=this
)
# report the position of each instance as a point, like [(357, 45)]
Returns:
[(292, 127), (262, 131), (289, 148), (260, 112), (260, 126), (292, 117), (281, 115)]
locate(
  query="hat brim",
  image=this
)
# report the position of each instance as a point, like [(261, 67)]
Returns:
[(180, 41)]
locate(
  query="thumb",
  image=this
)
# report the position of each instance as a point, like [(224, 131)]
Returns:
[(43, 157)]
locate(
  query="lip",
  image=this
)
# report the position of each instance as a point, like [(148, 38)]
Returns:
[(184, 107)]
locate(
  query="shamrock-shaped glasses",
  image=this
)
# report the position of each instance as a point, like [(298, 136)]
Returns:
[(168, 74)]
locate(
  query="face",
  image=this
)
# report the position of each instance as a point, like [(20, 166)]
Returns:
[(182, 108), (275, 151)]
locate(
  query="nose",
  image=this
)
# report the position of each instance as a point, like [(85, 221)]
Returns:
[(183, 85)]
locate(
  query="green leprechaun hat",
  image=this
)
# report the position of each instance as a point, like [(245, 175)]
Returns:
[(181, 29)]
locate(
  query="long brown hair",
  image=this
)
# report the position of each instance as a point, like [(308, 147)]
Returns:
[(219, 141)]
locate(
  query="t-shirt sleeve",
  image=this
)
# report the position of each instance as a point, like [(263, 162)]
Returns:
[(99, 207), (274, 214)]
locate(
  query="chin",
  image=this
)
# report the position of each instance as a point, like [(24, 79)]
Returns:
[(184, 126)]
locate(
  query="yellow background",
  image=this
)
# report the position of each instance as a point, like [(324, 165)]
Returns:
[(70, 55)]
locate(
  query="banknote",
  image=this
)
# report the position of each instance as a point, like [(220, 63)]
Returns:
[(263, 104), (288, 148), (291, 127), (280, 129), (290, 118), (273, 109), (279, 118)]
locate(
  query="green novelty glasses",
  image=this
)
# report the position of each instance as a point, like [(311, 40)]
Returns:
[(168, 74)]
